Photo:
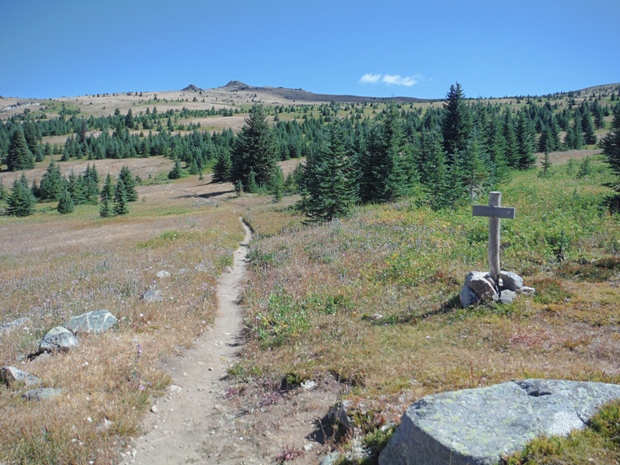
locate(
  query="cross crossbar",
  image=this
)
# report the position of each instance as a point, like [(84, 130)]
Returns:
[(507, 213)]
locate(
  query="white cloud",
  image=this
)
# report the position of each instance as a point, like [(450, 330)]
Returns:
[(398, 80), (370, 78), (390, 79)]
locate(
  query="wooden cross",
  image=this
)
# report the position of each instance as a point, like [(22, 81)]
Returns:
[(494, 211)]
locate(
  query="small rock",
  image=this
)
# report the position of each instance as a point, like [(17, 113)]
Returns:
[(511, 281), (338, 414), (331, 459), (308, 447), (175, 388), (104, 425), (11, 375), (95, 322), (58, 339), (308, 385), (153, 295), (528, 290), (163, 274), (228, 269), (41, 393), (154, 409), (507, 296)]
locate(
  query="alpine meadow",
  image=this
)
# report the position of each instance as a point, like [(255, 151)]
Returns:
[(362, 235)]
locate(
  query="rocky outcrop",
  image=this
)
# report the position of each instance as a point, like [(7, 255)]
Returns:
[(479, 426), (11, 326), (95, 322), (58, 339)]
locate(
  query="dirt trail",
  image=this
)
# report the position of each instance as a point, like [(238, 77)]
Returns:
[(190, 412)]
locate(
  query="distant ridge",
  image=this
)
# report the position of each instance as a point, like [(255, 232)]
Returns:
[(300, 95)]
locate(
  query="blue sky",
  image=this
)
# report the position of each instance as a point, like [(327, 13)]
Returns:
[(54, 48)]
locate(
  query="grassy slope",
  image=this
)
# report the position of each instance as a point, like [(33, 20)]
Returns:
[(373, 299), (53, 267)]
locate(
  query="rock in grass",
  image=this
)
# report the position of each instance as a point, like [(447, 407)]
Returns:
[(467, 296), (11, 326), (42, 393), (96, 322), (507, 297), (153, 295), (479, 426), (58, 339), (12, 375), (478, 282)]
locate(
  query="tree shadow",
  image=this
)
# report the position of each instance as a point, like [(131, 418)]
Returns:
[(206, 195)]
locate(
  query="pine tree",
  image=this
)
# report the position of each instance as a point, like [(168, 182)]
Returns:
[(107, 193), (105, 211), (328, 180), (545, 165), (222, 167), (129, 183), (19, 155), (511, 148), (121, 206), (176, 171), (474, 168), (437, 187), (587, 127), (20, 202), (65, 203), (456, 125), (254, 150), (525, 141), (3, 192), (277, 185)]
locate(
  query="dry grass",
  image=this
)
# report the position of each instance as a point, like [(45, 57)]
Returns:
[(53, 267)]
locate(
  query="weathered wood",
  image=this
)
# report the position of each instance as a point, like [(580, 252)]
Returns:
[(507, 213), (495, 200), (494, 211)]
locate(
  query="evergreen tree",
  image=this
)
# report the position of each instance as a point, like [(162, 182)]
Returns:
[(107, 193), (474, 168), (176, 171), (328, 180), (75, 186), (525, 140), (130, 184), (252, 185), (52, 184), (511, 148), (121, 206), (456, 125), (65, 203), (545, 165), (20, 202), (105, 211), (254, 150), (436, 185), (386, 167), (3, 192), (129, 121), (19, 155), (587, 127), (222, 167), (277, 185), (611, 148)]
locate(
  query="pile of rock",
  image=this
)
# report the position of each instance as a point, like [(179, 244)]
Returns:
[(480, 287), (58, 339)]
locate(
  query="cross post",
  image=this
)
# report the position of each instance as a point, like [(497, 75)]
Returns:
[(494, 212)]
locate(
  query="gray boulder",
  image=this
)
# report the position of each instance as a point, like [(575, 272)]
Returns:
[(96, 322), (11, 375), (58, 339), (42, 393), (479, 426)]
